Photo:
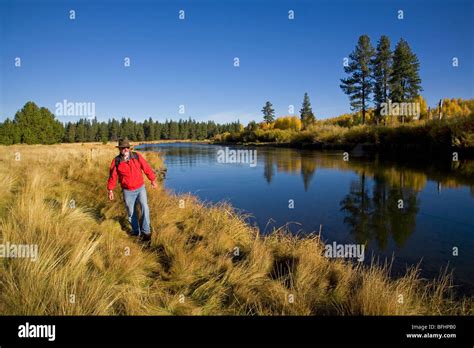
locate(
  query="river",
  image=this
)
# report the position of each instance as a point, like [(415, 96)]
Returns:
[(411, 211)]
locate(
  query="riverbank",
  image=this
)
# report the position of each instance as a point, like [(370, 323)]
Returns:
[(203, 259), (416, 139)]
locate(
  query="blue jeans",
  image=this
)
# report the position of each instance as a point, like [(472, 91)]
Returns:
[(131, 197)]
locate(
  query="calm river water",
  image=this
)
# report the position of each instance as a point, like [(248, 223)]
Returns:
[(355, 201)]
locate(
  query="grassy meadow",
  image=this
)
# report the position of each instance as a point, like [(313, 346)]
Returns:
[(202, 259)]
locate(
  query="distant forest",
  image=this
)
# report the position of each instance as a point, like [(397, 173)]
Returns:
[(37, 125)]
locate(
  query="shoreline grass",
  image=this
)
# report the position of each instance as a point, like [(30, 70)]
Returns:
[(203, 259)]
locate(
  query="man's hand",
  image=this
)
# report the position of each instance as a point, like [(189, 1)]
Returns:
[(111, 195), (154, 184)]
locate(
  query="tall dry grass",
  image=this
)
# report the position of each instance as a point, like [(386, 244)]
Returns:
[(203, 259)]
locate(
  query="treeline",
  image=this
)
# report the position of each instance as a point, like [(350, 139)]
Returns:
[(35, 125), (92, 130)]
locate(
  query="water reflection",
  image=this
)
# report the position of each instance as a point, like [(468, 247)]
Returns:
[(404, 175), (388, 210)]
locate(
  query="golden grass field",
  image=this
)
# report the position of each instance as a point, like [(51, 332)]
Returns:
[(190, 267)]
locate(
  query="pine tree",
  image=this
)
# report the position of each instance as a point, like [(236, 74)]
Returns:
[(114, 130), (193, 131), (103, 133), (92, 130), (130, 131), (157, 134), (358, 86), (382, 70), (139, 132), (306, 112), (38, 125), (181, 129), (405, 82), (173, 130), (165, 130), (81, 131), (149, 129), (211, 129), (268, 112), (71, 133)]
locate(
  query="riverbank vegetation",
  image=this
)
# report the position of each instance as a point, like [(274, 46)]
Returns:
[(432, 135), (202, 259)]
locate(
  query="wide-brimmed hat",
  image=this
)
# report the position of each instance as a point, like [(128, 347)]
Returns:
[(123, 143)]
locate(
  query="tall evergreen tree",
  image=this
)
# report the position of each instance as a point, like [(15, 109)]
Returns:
[(306, 112), (71, 133), (81, 131), (38, 125), (130, 130), (358, 86), (139, 132), (123, 132), (193, 130), (268, 112), (149, 129), (405, 81), (157, 134), (103, 133), (173, 130), (382, 70), (165, 130), (114, 130), (92, 130)]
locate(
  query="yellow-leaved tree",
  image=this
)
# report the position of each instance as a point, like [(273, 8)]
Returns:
[(455, 107), (423, 107), (288, 122)]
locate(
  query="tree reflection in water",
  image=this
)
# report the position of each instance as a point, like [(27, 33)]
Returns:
[(372, 207)]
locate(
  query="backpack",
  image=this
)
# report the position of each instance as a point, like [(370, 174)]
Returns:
[(118, 159)]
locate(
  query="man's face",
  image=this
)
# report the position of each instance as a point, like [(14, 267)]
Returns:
[(124, 151)]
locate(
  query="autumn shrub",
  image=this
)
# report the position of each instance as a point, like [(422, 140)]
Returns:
[(266, 125)]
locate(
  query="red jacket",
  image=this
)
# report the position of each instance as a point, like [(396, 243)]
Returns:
[(129, 173)]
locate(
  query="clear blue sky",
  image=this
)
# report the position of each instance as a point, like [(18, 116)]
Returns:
[(190, 62)]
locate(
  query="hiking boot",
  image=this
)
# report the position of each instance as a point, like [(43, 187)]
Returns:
[(145, 237)]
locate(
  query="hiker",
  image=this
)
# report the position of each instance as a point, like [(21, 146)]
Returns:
[(128, 167)]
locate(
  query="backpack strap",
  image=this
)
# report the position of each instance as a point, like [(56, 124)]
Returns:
[(118, 159)]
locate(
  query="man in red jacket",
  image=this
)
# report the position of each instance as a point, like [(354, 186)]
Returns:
[(128, 167)]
